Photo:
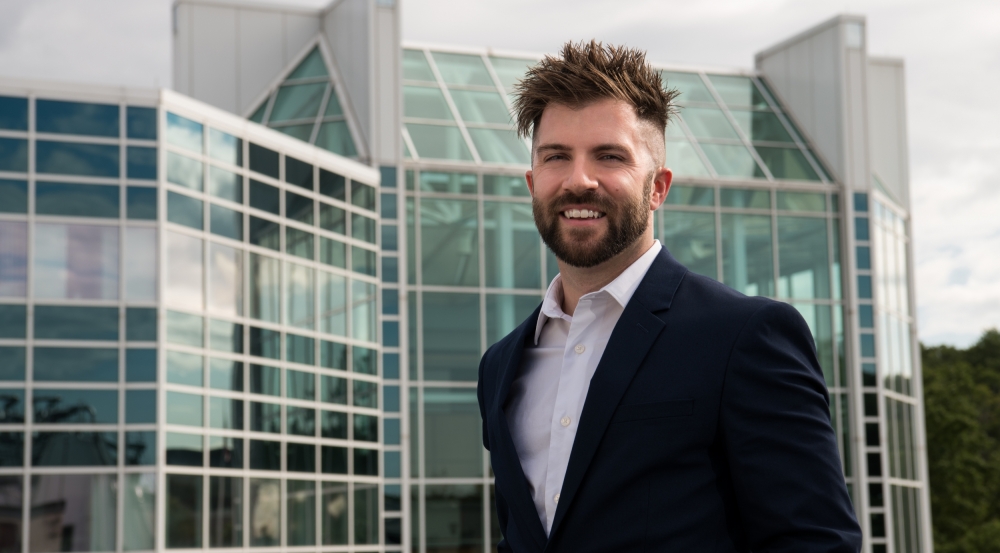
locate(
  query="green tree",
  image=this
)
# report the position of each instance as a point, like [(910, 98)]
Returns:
[(962, 412)]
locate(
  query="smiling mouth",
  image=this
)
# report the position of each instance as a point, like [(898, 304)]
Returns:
[(582, 214)]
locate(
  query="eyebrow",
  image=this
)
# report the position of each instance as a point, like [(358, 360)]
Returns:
[(611, 147)]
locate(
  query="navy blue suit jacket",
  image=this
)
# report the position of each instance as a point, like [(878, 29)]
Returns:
[(706, 429)]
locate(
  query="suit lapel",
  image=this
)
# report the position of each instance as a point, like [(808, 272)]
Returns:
[(508, 466), (636, 331)]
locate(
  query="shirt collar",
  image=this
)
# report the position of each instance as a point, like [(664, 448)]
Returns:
[(621, 289)]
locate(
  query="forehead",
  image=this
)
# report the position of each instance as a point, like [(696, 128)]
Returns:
[(601, 121)]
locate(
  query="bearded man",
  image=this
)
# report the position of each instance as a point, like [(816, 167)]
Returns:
[(642, 407)]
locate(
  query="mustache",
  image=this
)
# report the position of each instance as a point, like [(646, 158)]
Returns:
[(591, 197)]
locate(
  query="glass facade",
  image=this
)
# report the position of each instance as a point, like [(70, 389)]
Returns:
[(189, 347)]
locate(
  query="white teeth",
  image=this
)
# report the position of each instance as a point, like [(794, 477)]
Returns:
[(582, 214)]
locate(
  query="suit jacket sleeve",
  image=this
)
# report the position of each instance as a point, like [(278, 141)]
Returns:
[(780, 445), (501, 503)]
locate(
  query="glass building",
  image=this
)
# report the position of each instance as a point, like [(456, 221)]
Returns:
[(293, 263)]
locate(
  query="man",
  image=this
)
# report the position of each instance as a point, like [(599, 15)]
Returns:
[(643, 407)]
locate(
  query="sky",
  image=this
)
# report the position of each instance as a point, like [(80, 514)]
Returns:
[(951, 49)]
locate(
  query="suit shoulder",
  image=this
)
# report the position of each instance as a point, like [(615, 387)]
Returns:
[(712, 296)]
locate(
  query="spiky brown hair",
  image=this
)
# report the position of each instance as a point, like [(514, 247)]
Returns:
[(587, 72)]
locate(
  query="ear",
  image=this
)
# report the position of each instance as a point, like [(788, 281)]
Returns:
[(531, 183), (662, 180)]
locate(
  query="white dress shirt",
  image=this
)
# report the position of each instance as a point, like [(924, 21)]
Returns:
[(547, 396)]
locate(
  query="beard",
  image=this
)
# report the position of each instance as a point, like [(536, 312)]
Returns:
[(583, 247)]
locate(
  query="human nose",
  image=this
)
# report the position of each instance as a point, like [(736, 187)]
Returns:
[(581, 177)]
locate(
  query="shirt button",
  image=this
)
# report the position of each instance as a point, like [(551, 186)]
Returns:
[(580, 348), (556, 499), (564, 421)]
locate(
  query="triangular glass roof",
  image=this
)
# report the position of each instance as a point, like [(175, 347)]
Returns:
[(305, 105), (457, 107)]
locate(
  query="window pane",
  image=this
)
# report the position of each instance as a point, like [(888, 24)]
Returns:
[(265, 417), (265, 380), (141, 203), (415, 66), (15, 195), (514, 258), (264, 161), (746, 254), (77, 200), (184, 171), (363, 312), (363, 261), (333, 303), (12, 412), (334, 424), (452, 433), (184, 368), (454, 183), (265, 343), (140, 365), (365, 394), (439, 142), (450, 242), (499, 146), (140, 406), (140, 448), (335, 136), (801, 201), (426, 103), (226, 222), (749, 199), (76, 364), (266, 233), (454, 518), (184, 133), (184, 511), (504, 185), (265, 512), (76, 406), (684, 161), (366, 517), (738, 91), (363, 360), (365, 428), (334, 390), (185, 449), (225, 185), (74, 449), (141, 123), (732, 160), (13, 155), (301, 385), (299, 208), (225, 413), (141, 163), (226, 374), (297, 102), (787, 163), (301, 512), (225, 147), (14, 114), (804, 271), (139, 514), (265, 197), (481, 107), (12, 363), (762, 125), (363, 228), (334, 511), (56, 116), (265, 290), (84, 518), (333, 219), (690, 86), (184, 409), (14, 256), (225, 527), (225, 452), (301, 421), (13, 321), (184, 271), (509, 70), (709, 123), (451, 336), (185, 210), (226, 280), (366, 462), (504, 312), (68, 158), (141, 264), (820, 322), (462, 69), (185, 329), (76, 323), (301, 283), (690, 238)]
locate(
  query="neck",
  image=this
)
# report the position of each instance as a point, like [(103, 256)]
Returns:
[(578, 281)]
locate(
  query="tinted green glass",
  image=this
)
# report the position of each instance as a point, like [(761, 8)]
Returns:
[(185, 329), (311, 66), (742, 198), (265, 455), (185, 368), (12, 363), (140, 406), (762, 125), (801, 201), (415, 66), (300, 299), (76, 364), (13, 321), (265, 417), (301, 512), (363, 195), (140, 365), (747, 254), (54, 322), (451, 336), (787, 163), (504, 185), (462, 69), (13, 155), (297, 102), (363, 312), (499, 146), (454, 517), (363, 228), (265, 380), (684, 160), (226, 222), (224, 184), (62, 449), (363, 360), (185, 133), (226, 375), (365, 462), (300, 457), (510, 70), (141, 123), (55, 116), (365, 394), (13, 113), (266, 233), (141, 203), (449, 240), (480, 107), (185, 210), (738, 91), (691, 195), (185, 409), (141, 163), (77, 200), (301, 385), (184, 511), (731, 160), (226, 500), (335, 136), (453, 183), (690, 238), (425, 102), (185, 449), (708, 123), (512, 246), (333, 107), (302, 132), (140, 324), (225, 147), (184, 171), (504, 312), (140, 449), (265, 197), (690, 86), (439, 142), (298, 208), (11, 407), (225, 413), (301, 421), (820, 322), (452, 433), (334, 424), (363, 261), (15, 195), (264, 161), (333, 355)]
